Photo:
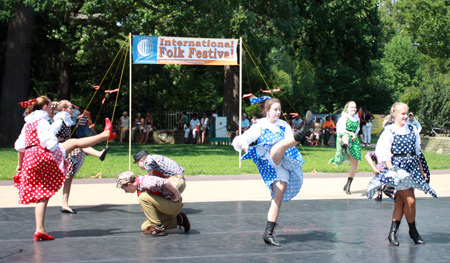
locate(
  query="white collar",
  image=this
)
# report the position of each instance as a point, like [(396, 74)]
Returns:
[(65, 117), (36, 115)]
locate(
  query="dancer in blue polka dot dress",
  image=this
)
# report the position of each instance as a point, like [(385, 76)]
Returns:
[(278, 160), (399, 148)]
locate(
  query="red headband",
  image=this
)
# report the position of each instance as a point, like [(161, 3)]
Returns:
[(25, 104)]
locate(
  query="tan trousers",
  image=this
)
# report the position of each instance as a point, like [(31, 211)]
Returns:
[(159, 210)]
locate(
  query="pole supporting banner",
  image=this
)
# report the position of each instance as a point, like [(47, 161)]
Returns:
[(184, 50)]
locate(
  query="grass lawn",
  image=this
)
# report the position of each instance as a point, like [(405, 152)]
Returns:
[(203, 160)]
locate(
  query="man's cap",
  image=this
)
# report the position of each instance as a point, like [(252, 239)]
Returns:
[(244, 114), (411, 114), (139, 155), (125, 177), (125, 113)]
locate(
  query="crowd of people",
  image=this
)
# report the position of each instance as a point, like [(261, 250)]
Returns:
[(48, 159)]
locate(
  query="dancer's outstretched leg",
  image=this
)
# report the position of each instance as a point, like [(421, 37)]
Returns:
[(279, 149), (85, 142)]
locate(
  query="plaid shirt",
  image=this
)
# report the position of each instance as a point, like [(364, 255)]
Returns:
[(154, 185), (163, 165)]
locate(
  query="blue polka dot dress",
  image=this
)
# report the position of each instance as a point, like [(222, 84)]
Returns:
[(292, 160), (406, 172)]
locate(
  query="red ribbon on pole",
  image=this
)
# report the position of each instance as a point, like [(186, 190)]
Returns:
[(111, 91)]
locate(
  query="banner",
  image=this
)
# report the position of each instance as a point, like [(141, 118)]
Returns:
[(184, 51)]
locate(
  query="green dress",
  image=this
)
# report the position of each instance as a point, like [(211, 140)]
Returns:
[(354, 148)]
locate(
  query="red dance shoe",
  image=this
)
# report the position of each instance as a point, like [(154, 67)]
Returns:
[(38, 236), (108, 127)]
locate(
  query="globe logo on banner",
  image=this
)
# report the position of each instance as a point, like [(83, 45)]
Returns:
[(145, 47)]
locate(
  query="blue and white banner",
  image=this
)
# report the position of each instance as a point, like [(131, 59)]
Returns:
[(185, 51)]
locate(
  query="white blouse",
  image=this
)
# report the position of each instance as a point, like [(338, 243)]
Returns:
[(384, 144), (44, 131), (254, 132), (341, 125), (60, 118)]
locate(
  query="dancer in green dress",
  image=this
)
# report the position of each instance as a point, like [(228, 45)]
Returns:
[(347, 127)]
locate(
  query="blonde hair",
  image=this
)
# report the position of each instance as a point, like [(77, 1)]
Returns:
[(267, 104), (63, 104), (394, 108), (346, 106), (40, 102)]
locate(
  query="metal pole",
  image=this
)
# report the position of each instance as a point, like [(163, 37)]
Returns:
[(240, 94), (129, 105)]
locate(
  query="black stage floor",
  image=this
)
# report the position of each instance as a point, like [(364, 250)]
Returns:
[(309, 231)]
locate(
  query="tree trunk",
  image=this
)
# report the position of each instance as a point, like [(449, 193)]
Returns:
[(64, 79), (17, 74), (231, 97)]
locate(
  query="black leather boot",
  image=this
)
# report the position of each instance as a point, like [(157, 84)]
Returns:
[(414, 234), (268, 234), (304, 131), (347, 185), (393, 233)]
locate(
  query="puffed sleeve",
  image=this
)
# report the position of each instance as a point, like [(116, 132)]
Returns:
[(247, 137), (341, 125), (56, 126), (46, 137), (288, 131), (19, 145), (384, 144), (417, 146)]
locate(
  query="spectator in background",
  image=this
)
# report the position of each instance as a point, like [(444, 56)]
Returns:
[(84, 124), (214, 114), (204, 128), (413, 122), (328, 129), (367, 118), (184, 120), (316, 129), (334, 119), (124, 124), (194, 126), (138, 127), (254, 118), (148, 128), (361, 124), (296, 122), (74, 117), (245, 125)]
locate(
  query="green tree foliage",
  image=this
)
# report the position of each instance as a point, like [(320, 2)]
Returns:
[(320, 53), (401, 70), (339, 39), (428, 23), (435, 103)]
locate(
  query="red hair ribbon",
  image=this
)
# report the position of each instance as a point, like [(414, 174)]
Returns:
[(25, 104), (270, 91), (111, 91)]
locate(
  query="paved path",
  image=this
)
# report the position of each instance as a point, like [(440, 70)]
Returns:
[(204, 188)]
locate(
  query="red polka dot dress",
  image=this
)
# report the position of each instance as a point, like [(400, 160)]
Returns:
[(43, 171)]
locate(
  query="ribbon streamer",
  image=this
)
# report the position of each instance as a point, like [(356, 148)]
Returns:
[(111, 91)]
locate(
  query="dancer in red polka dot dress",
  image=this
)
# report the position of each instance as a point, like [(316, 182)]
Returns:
[(42, 166)]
